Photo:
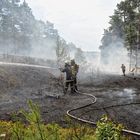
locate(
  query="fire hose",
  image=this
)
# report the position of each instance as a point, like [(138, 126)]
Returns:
[(69, 112), (94, 100)]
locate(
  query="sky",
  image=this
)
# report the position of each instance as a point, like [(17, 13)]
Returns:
[(79, 21)]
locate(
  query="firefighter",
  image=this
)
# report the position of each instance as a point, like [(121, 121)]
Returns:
[(75, 69), (123, 69), (69, 79)]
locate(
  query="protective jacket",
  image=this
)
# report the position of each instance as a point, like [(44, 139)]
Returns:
[(74, 69), (123, 67), (68, 71)]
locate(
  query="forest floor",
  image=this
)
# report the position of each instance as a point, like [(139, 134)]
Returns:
[(117, 96)]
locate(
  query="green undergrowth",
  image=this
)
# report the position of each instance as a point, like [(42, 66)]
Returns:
[(35, 129)]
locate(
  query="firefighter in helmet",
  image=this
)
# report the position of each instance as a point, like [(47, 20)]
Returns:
[(75, 69), (69, 79)]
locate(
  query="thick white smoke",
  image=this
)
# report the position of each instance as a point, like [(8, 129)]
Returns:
[(113, 56)]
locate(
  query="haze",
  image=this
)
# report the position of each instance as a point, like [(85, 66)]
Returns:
[(78, 21)]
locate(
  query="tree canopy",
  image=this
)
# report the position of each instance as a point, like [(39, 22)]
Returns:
[(124, 24), (19, 28)]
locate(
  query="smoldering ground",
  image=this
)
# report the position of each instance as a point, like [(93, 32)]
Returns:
[(21, 83)]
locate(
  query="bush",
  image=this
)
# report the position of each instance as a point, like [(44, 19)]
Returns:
[(107, 130), (36, 130)]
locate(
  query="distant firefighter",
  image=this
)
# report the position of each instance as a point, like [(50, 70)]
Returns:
[(123, 69), (75, 69), (69, 78)]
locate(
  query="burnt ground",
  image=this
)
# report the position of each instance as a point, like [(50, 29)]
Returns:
[(117, 96)]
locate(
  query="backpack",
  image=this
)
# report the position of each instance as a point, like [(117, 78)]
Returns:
[(75, 69)]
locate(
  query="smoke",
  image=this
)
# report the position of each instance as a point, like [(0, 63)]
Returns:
[(113, 56), (108, 61), (45, 49)]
